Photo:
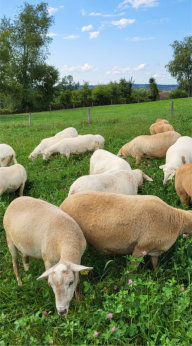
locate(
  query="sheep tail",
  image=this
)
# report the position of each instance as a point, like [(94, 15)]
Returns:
[(183, 160)]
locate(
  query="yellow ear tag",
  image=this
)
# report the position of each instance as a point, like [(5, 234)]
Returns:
[(84, 272)]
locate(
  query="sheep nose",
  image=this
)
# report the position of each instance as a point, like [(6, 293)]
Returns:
[(63, 312)]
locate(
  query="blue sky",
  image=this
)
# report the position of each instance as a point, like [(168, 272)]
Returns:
[(99, 41)]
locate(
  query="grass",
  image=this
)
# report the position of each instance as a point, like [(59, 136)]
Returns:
[(155, 307)]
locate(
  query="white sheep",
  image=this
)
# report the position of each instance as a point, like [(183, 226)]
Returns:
[(149, 146), (12, 178), (124, 182), (71, 131), (7, 155), (103, 161), (182, 147), (46, 143), (76, 145), (120, 224), (41, 230)]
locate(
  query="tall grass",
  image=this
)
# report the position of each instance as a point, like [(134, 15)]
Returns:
[(155, 307)]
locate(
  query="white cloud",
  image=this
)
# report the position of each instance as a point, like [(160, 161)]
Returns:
[(51, 34), (87, 28), (93, 34), (95, 14), (121, 70), (52, 10), (83, 68), (138, 3), (136, 38), (70, 37), (122, 23)]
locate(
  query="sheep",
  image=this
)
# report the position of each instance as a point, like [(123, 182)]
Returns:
[(103, 161), (183, 178), (182, 147), (46, 143), (149, 146), (39, 229), (160, 127), (162, 120), (124, 182), (71, 131), (7, 155), (120, 224), (12, 178), (77, 145)]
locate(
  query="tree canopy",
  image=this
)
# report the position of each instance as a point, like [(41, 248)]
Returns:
[(23, 51), (181, 65)]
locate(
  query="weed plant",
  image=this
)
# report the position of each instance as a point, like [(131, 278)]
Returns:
[(119, 306)]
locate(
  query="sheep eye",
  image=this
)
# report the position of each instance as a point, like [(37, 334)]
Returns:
[(71, 283)]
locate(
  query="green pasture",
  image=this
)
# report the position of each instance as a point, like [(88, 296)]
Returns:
[(155, 309)]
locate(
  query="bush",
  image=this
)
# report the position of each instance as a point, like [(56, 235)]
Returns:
[(178, 93)]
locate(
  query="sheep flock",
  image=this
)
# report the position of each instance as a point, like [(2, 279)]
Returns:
[(103, 208)]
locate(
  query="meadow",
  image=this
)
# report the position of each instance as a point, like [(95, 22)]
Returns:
[(119, 306)]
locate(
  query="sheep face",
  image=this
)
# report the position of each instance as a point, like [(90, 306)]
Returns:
[(63, 278), (168, 172), (46, 155)]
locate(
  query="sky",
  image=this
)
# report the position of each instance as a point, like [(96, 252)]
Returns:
[(99, 41)]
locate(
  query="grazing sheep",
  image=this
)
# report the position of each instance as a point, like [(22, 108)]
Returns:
[(182, 147), (149, 146), (7, 155), (103, 161), (12, 178), (125, 182), (160, 127), (41, 230), (120, 224), (71, 131), (46, 143), (77, 145), (183, 179)]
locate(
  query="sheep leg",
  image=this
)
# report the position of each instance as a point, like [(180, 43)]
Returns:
[(21, 190), (13, 251), (184, 198), (25, 262), (154, 260), (77, 292), (138, 159)]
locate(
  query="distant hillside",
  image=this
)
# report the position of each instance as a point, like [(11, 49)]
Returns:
[(161, 87)]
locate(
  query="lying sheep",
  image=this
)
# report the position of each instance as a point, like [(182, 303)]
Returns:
[(103, 161), (183, 179), (41, 230), (149, 146), (77, 145), (182, 147), (12, 178), (125, 182), (120, 224), (7, 155), (160, 127), (71, 131), (46, 143)]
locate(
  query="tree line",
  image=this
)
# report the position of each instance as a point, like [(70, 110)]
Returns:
[(28, 83)]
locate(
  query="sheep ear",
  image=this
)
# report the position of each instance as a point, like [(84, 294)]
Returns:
[(161, 167), (46, 273), (145, 176), (78, 267)]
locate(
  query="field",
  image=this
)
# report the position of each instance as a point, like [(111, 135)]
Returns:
[(154, 307)]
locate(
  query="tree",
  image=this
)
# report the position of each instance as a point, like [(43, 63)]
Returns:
[(24, 49), (181, 65), (125, 90), (67, 82), (153, 90)]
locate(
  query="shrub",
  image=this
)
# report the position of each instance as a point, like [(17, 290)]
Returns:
[(178, 93)]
